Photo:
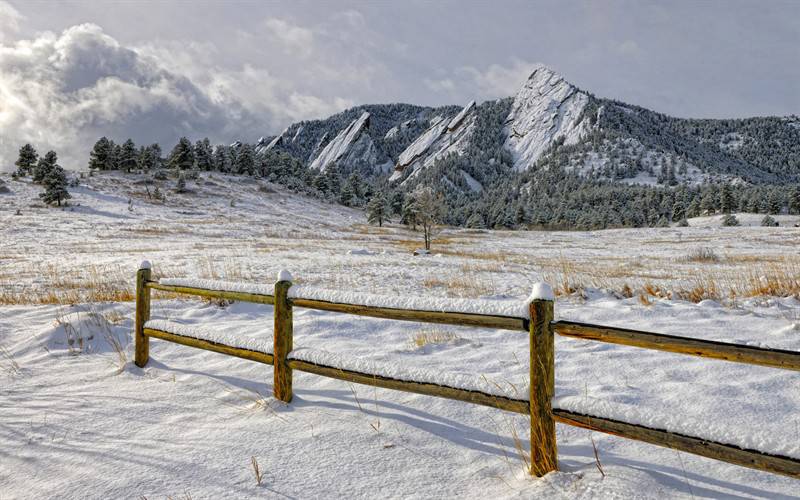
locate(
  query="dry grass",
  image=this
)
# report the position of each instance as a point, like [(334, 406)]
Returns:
[(256, 470), (704, 254), (10, 366), (432, 336)]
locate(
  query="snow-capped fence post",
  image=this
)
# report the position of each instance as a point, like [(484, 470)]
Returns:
[(142, 342), (544, 451), (282, 337)]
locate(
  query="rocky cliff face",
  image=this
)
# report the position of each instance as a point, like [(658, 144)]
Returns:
[(353, 147), (443, 137), (546, 109)]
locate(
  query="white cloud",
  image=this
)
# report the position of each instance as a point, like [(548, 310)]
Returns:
[(498, 80), (9, 20), (292, 37), (63, 91)]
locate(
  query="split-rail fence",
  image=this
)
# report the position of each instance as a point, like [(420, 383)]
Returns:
[(540, 327)]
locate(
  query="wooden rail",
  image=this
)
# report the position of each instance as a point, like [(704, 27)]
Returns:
[(541, 328), (774, 358), (440, 317)]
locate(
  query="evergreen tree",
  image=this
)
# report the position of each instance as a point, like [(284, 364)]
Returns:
[(726, 199), (180, 186), (409, 212), (203, 154), (678, 211), (768, 221), (55, 186), (128, 157), (794, 201), (475, 221), (182, 155), (222, 160), (26, 161), (346, 195), (116, 154), (377, 209), (45, 164), (101, 156), (245, 162), (775, 202), (730, 220)]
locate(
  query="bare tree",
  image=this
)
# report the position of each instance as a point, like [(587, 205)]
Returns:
[(430, 209)]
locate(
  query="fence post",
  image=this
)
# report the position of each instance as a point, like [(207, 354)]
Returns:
[(142, 314), (544, 450), (282, 338)]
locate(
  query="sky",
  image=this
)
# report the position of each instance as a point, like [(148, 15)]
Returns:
[(72, 71)]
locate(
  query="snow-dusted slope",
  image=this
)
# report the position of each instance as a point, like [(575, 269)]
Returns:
[(443, 137), (350, 146), (547, 108)]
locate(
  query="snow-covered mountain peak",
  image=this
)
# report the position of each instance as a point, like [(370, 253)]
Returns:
[(443, 137), (547, 108)]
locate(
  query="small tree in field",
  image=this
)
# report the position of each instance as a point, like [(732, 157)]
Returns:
[(55, 186), (44, 166), (27, 160), (377, 209), (730, 221), (430, 208)]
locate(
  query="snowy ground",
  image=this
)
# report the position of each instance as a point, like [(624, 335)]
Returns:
[(80, 420)]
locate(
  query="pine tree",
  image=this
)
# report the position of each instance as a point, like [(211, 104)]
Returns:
[(180, 186), (44, 166), (222, 161), (794, 201), (377, 209), (116, 154), (182, 155), (768, 221), (730, 220), (346, 195), (128, 157), (409, 213), (678, 211), (475, 221), (726, 199), (245, 162), (204, 154), (101, 156), (55, 186), (27, 160), (775, 203)]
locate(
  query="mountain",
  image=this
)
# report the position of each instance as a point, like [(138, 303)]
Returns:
[(366, 138), (548, 123)]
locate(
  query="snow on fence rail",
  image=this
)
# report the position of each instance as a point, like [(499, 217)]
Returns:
[(536, 318)]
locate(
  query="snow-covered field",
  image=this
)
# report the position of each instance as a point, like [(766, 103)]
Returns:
[(80, 420)]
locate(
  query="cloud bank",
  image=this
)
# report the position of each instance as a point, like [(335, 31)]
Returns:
[(63, 91)]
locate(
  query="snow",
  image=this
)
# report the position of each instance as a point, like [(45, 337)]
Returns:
[(545, 109), (284, 275), (225, 286), (394, 371), (542, 291), (145, 264), (77, 420), (423, 142), (506, 308), (195, 332), (442, 138), (459, 118), (473, 184), (753, 439), (338, 147)]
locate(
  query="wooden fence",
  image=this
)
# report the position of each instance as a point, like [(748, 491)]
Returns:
[(541, 329)]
